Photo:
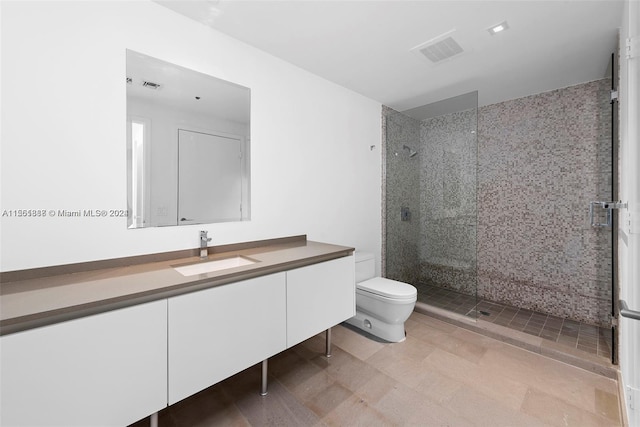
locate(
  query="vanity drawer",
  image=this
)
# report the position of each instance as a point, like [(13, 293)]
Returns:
[(319, 296), (218, 332), (107, 369)]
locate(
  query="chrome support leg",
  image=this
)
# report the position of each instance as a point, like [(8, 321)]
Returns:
[(328, 343), (263, 388), (153, 419)]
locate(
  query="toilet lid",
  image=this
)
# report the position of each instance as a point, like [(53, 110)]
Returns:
[(388, 288)]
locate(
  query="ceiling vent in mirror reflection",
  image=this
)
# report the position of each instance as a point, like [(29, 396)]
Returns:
[(151, 85)]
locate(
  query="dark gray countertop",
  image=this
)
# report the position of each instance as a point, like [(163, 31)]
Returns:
[(26, 304)]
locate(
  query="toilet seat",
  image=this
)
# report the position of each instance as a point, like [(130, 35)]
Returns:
[(388, 289)]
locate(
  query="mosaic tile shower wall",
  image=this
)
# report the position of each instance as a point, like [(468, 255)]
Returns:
[(541, 160)]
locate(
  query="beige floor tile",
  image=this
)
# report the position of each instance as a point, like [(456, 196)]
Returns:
[(378, 386), (441, 375), (209, 407), (437, 387), (329, 399), (449, 364), (411, 349), (607, 405), (425, 332), (292, 369), (485, 411), (354, 343), (404, 371), (558, 412), (566, 382), (356, 412), (478, 339), (346, 369), (401, 362), (278, 408), (506, 390), (308, 389), (463, 348), (403, 406), (432, 322)]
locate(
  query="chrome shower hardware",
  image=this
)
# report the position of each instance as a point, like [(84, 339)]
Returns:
[(412, 152), (609, 206)]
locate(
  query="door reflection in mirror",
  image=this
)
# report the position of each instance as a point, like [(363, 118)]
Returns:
[(212, 162)]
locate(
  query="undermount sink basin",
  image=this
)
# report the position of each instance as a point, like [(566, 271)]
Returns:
[(211, 266)]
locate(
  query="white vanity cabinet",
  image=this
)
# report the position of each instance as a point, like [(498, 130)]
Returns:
[(108, 369), (218, 332), (117, 367), (319, 296)]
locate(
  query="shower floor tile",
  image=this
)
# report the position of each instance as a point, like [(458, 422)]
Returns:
[(570, 333)]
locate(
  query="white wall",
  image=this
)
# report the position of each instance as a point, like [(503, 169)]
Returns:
[(629, 232), (64, 137)]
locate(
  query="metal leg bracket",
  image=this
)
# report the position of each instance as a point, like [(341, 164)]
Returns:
[(263, 387), (328, 343)]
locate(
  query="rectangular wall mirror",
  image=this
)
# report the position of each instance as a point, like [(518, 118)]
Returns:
[(188, 146)]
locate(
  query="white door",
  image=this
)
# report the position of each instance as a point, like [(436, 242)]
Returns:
[(629, 240), (209, 178)]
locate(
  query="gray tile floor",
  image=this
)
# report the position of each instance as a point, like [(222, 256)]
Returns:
[(588, 338), (441, 375)]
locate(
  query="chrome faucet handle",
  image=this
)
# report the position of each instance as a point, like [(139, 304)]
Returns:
[(204, 239)]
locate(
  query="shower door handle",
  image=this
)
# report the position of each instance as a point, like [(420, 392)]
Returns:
[(626, 312), (609, 206)]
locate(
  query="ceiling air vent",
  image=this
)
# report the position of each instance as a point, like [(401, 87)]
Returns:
[(151, 85), (440, 48)]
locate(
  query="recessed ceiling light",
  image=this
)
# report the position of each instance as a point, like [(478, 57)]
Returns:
[(498, 28)]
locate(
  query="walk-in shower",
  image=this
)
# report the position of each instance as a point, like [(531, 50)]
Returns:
[(436, 248), (488, 215)]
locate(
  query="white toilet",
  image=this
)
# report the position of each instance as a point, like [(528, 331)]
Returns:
[(382, 305)]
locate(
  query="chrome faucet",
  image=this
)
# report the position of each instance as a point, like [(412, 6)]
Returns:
[(204, 240)]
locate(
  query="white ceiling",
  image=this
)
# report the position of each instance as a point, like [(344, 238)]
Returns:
[(186, 90), (366, 45)]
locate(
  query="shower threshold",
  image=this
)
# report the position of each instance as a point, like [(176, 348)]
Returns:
[(570, 341)]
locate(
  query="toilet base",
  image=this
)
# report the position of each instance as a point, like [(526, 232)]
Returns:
[(376, 327)]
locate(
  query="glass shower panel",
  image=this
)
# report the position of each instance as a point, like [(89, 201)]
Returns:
[(402, 198), (448, 249), (435, 248)]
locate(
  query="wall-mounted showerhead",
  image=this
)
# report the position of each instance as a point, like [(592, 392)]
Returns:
[(411, 151)]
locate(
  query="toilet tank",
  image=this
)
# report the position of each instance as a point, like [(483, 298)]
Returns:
[(365, 266)]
